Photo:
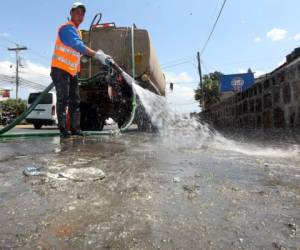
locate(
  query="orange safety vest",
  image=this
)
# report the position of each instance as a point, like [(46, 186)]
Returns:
[(65, 57)]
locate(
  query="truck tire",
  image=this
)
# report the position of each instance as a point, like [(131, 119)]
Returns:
[(37, 125), (90, 120), (95, 124)]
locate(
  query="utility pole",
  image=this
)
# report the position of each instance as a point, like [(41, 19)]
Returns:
[(17, 50), (200, 75)]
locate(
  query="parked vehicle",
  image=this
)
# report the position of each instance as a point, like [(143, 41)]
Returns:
[(45, 112)]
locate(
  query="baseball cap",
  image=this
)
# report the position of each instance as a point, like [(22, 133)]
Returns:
[(77, 5)]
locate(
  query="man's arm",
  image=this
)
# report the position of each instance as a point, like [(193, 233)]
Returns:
[(69, 36)]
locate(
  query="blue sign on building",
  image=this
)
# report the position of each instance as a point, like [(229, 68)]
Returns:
[(236, 82)]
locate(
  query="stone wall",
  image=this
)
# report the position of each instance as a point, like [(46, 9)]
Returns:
[(272, 102)]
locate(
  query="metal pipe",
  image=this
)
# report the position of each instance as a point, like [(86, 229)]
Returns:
[(133, 52), (147, 78)]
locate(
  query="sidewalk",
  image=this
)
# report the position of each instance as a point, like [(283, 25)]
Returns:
[(30, 130)]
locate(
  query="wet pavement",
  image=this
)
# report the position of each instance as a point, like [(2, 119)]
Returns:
[(151, 195)]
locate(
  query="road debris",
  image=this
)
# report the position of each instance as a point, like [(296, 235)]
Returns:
[(176, 179), (32, 171), (83, 174)]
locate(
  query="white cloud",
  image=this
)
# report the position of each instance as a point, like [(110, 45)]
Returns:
[(180, 78), (257, 39), (4, 34), (36, 73), (277, 34), (31, 71), (181, 99), (297, 37), (5, 67)]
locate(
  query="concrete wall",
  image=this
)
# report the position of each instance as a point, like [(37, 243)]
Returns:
[(272, 102)]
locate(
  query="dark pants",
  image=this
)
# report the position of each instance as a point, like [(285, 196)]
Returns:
[(67, 92)]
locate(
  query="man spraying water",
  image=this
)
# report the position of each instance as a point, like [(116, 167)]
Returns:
[(65, 67)]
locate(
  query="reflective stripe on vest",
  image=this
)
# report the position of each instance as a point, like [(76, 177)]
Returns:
[(65, 61), (65, 57), (66, 50)]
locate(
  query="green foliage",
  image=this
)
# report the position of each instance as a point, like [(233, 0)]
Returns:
[(14, 106), (211, 91)]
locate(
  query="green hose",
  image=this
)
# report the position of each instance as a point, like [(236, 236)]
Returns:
[(126, 125), (27, 111), (86, 81)]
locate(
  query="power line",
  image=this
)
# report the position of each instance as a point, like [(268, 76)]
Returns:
[(34, 83), (22, 81), (214, 12), (177, 64), (39, 55), (205, 66), (182, 83), (36, 74), (8, 40), (2, 46), (176, 61), (214, 26), (29, 49)]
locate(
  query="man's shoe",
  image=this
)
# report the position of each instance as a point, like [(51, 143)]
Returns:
[(65, 134), (77, 132)]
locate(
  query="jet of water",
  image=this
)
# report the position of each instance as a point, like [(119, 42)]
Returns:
[(181, 132)]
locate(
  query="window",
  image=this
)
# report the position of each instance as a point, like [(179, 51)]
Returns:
[(46, 100)]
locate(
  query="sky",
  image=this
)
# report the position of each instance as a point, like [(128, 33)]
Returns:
[(255, 34)]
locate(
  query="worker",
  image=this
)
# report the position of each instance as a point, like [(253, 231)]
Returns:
[(65, 67)]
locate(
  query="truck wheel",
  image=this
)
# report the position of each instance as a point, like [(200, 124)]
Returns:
[(93, 124), (37, 125), (101, 124), (120, 123), (90, 120)]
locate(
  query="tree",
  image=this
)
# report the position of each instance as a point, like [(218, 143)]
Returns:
[(11, 108), (211, 91)]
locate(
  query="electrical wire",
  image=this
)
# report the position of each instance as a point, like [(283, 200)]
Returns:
[(2, 46), (36, 74), (38, 55), (29, 50), (185, 83), (214, 12), (176, 61), (177, 64), (8, 40), (213, 29), (205, 66), (23, 82)]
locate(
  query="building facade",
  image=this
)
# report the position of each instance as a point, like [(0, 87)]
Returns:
[(272, 102)]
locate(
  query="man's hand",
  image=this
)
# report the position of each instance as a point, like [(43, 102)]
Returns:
[(103, 58)]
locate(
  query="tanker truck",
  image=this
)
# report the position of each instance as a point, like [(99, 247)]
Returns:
[(132, 50)]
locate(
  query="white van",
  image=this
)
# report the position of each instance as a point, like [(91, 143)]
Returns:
[(45, 112)]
